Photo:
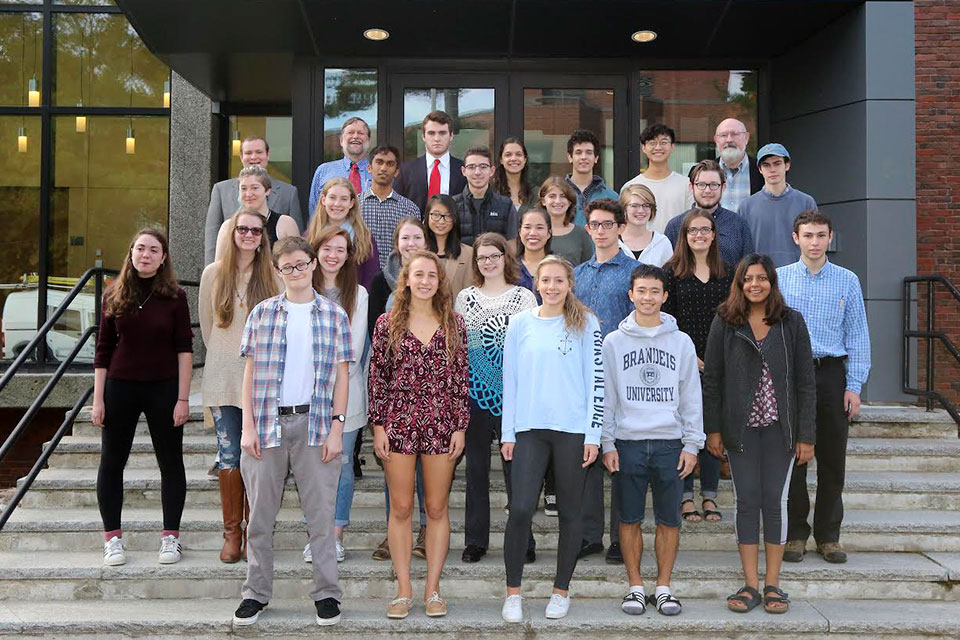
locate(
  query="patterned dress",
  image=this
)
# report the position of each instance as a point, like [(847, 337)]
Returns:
[(416, 393), (486, 319)]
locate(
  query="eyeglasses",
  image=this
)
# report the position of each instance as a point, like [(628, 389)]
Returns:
[(662, 142), (476, 167), (492, 258), (699, 231), (300, 266), (606, 224), (707, 186), (640, 206), (256, 232), (730, 134), (436, 216)]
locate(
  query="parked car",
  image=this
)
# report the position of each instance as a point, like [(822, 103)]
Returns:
[(19, 324)]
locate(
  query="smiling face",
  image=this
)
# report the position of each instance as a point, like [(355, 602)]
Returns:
[(301, 268), (731, 139), (147, 255), (337, 203), (410, 239), (583, 158), (707, 190), (513, 159), (478, 171), (647, 295), (355, 140), (436, 138), (439, 219), (332, 255), (424, 279), (248, 234), (658, 149), (252, 193), (556, 203), (700, 234), (638, 211), (553, 284), (756, 284), (490, 261), (813, 240), (534, 231), (254, 152)]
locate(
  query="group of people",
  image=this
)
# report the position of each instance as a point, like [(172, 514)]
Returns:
[(448, 304)]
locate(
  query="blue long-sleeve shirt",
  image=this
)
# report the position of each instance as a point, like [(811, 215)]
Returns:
[(335, 169), (603, 287), (831, 303), (559, 385), (734, 239)]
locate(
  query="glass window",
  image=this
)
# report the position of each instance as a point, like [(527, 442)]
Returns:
[(20, 209), (347, 93), (551, 115), (101, 61), (99, 3), (278, 132), (471, 110), (21, 61), (693, 103)]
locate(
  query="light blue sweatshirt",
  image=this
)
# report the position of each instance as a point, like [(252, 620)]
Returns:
[(552, 378)]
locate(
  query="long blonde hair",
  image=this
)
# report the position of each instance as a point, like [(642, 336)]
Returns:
[(574, 312), (361, 233), (263, 282), (442, 307)]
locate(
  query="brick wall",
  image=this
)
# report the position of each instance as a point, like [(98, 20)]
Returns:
[(23, 456), (938, 165)]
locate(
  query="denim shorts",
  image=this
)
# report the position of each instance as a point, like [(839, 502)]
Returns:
[(653, 463)]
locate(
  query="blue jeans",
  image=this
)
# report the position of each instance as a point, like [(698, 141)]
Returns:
[(709, 477), (420, 498), (228, 423), (345, 487), (650, 463)]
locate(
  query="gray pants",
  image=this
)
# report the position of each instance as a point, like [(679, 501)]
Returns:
[(761, 482), (317, 486)]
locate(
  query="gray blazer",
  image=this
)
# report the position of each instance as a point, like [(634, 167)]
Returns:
[(224, 203)]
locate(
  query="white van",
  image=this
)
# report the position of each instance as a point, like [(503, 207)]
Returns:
[(19, 324)]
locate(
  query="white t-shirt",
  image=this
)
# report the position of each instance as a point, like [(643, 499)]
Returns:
[(673, 197), (296, 387)]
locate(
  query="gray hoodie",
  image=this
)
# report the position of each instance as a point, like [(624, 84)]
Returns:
[(651, 385)]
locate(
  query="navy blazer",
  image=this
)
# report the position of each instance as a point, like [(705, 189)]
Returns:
[(411, 180)]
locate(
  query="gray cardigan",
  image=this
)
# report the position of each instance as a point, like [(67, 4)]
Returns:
[(731, 373)]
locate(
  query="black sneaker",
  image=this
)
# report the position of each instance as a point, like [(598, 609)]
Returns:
[(614, 555), (248, 612), (473, 553), (588, 548), (328, 612)]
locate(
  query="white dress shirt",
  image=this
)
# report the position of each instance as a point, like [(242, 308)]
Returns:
[(444, 171)]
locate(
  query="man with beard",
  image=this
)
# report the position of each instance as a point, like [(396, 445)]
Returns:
[(707, 181), (354, 140), (741, 173), (382, 207)]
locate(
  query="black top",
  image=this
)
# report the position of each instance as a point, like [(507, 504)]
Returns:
[(377, 302), (694, 304), (271, 226)]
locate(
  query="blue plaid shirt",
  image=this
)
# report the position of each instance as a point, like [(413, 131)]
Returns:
[(603, 287), (264, 340), (831, 303), (335, 169), (737, 187)]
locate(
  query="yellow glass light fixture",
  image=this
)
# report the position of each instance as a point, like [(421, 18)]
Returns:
[(376, 34), (81, 125), (33, 93), (236, 143), (22, 139), (643, 35), (166, 93), (131, 141)]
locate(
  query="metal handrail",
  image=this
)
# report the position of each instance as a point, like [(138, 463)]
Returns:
[(929, 394)]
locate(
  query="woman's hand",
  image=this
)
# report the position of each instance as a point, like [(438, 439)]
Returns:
[(457, 442), (250, 441), (715, 444), (181, 413), (506, 450), (381, 443), (98, 414), (590, 453), (804, 452)]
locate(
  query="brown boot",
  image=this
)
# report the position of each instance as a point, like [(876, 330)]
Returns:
[(231, 499)]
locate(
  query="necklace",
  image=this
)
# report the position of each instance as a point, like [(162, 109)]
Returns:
[(241, 296), (140, 304)]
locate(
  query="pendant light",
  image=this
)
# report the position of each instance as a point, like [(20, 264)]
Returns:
[(33, 87), (131, 140), (236, 143), (166, 93), (81, 121), (22, 139)]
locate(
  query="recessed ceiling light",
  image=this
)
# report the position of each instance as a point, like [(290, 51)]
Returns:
[(644, 35), (376, 34)]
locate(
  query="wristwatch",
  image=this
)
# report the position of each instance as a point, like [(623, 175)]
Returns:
[(340, 417)]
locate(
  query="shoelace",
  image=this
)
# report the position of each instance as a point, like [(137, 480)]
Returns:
[(169, 544), (435, 597), (115, 545), (557, 599)]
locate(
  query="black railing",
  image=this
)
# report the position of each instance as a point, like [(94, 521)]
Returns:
[(97, 274), (930, 334)]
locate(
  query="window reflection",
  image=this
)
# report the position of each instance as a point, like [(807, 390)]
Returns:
[(347, 93), (278, 132), (471, 110)]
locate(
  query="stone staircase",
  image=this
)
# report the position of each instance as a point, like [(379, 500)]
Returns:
[(902, 527)]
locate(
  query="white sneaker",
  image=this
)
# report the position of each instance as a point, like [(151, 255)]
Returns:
[(513, 609), (558, 606), (113, 554), (341, 552), (307, 554), (170, 549)]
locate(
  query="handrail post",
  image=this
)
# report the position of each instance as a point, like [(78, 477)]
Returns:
[(931, 309)]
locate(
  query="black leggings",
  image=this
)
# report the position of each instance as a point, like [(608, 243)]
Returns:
[(533, 450), (124, 401)]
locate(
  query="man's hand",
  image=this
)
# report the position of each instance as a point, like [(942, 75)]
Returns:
[(688, 461), (851, 404), (611, 460), (715, 444), (590, 453)]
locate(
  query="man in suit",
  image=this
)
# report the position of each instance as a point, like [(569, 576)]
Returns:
[(436, 171), (224, 199), (740, 171)]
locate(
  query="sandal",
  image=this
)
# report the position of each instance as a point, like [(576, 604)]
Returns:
[(778, 597), (690, 516), (664, 603), (741, 597), (710, 513)]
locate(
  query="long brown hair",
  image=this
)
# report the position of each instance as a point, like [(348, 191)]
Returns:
[(263, 279), (574, 311), (361, 233), (553, 182), (511, 270), (122, 294), (346, 280), (442, 307), (735, 309), (683, 263)]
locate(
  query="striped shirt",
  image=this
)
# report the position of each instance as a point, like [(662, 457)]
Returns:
[(737, 187), (264, 340), (382, 217), (603, 287), (336, 169), (831, 303)]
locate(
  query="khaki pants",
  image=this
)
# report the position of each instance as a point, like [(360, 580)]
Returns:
[(317, 487)]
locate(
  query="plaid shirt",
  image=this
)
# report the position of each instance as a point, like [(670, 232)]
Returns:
[(336, 169), (264, 339), (382, 217), (737, 187), (831, 303)]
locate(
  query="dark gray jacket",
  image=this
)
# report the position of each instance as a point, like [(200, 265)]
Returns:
[(731, 373)]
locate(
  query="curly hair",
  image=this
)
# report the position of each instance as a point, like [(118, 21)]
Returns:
[(399, 318), (263, 280), (362, 237), (574, 311), (500, 182), (122, 294)]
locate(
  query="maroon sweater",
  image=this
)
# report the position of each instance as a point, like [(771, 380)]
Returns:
[(143, 344)]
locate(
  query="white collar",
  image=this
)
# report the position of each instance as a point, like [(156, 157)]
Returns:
[(444, 159)]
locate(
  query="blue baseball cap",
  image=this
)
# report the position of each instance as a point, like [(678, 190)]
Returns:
[(772, 149)]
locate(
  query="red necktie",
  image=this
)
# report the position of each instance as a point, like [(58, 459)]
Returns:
[(355, 176), (434, 186)]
